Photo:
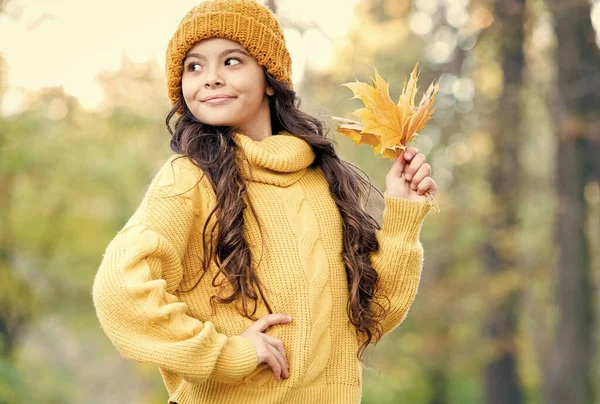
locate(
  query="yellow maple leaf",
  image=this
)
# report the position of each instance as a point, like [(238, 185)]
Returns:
[(385, 125)]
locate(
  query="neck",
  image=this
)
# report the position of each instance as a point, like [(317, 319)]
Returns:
[(257, 135), (260, 127)]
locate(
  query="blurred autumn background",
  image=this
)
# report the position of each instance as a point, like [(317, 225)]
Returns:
[(507, 307)]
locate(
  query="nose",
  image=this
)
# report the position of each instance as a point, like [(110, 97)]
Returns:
[(213, 79)]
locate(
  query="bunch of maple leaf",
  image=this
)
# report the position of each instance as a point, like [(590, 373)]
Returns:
[(386, 126)]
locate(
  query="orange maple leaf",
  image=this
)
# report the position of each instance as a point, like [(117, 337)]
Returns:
[(386, 126)]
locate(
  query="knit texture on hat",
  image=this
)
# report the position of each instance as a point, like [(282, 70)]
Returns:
[(248, 22)]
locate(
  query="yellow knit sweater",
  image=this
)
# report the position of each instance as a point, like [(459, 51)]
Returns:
[(148, 306)]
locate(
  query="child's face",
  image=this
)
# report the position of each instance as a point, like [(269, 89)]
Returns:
[(222, 67)]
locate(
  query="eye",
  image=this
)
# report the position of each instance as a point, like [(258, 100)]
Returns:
[(190, 66), (236, 59)]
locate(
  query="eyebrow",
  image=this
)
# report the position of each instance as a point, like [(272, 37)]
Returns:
[(225, 52)]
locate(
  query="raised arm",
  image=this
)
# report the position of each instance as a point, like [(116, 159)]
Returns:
[(399, 259)]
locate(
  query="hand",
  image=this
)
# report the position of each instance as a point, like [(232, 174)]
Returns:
[(269, 349), (409, 177)]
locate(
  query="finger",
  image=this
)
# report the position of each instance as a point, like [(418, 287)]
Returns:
[(278, 360), (410, 152), (276, 343), (282, 361), (272, 361), (398, 165), (265, 322), (426, 185), (414, 166), (422, 172)]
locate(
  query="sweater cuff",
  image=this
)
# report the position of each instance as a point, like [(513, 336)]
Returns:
[(402, 217), (237, 359)]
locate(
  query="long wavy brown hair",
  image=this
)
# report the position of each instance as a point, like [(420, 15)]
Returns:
[(213, 150)]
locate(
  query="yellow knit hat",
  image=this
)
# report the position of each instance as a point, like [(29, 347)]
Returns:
[(248, 22)]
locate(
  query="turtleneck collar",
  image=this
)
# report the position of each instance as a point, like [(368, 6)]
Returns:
[(279, 159)]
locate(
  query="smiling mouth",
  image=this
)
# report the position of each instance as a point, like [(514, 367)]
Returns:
[(218, 100)]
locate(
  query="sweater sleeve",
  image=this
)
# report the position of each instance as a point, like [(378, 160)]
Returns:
[(399, 259), (134, 289)]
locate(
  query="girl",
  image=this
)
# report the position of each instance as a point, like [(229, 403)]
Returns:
[(255, 219)]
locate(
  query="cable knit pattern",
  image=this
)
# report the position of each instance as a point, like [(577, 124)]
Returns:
[(315, 265), (148, 306)]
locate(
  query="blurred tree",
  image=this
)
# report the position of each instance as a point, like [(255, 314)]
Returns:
[(500, 249), (575, 108), (437, 371)]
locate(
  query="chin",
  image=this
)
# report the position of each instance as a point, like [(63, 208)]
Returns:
[(219, 122), (213, 120)]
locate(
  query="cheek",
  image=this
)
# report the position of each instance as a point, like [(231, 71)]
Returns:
[(251, 82), (255, 90), (187, 89)]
